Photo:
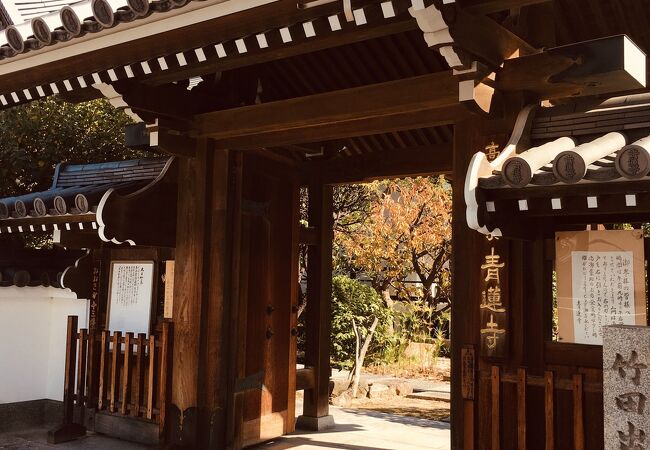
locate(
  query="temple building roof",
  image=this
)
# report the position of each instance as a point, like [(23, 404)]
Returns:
[(78, 197), (563, 162)]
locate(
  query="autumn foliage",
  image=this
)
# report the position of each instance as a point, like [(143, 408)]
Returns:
[(406, 237)]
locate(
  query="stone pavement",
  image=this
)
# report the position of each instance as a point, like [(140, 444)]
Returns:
[(368, 430), (355, 430), (36, 439)]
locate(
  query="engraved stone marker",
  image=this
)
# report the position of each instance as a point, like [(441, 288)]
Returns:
[(626, 386)]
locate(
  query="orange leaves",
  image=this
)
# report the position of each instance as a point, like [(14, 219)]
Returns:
[(407, 231)]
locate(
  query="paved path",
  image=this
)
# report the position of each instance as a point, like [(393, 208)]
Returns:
[(36, 439), (369, 430)]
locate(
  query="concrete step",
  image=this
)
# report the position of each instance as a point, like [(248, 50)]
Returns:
[(441, 396)]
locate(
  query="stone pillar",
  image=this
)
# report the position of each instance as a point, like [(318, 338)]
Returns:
[(626, 386)]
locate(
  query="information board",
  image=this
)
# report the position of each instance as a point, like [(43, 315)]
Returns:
[(600, 281), (130, 296)]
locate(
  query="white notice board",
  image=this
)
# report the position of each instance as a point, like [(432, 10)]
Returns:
[(130, 296), (600, 281)]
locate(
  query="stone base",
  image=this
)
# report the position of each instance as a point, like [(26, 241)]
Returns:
[(315, 423)]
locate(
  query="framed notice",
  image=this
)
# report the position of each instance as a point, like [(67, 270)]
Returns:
[(130, 296), (600, 281)]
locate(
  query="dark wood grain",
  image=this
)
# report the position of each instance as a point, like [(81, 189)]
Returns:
[(496, 408), (138, 385), (126, 373), (521, 409), (113, 390), (578, 417), (337, 114), (549, 409)]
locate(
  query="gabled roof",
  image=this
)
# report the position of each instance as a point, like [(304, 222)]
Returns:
[(205, 51), (77, 192)]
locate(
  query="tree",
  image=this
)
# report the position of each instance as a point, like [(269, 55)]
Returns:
[(356, 306), (36, 136), (408, 231), (351, 206)]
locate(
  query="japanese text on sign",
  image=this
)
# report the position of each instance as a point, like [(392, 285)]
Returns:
[(131, 296), (603, 293), (491, 301)]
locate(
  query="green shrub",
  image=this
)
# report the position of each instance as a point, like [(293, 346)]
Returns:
[(352, 299)]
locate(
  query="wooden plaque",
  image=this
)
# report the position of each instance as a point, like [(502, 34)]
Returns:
[(467, 372), (169, 289)]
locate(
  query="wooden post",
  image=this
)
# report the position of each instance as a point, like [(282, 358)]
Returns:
[(233, 336), (68, 429), (293, 321), (521, 408), (81, 369), (496, 408), (113, 392), (139, 374), (152, 376), (164, 370), (468, 136), (188, 295), (126, 372), (578, 419), (549, 409), (318, 320), (70, 353), (103, 366), (92, 374), (202, 381)]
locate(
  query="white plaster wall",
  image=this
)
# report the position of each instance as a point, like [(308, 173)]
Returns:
[(33, 324)]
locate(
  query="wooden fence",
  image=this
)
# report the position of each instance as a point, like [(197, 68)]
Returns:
[(120, 375), (551, 384)]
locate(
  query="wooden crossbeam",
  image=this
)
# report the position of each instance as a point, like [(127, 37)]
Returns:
[(492, 6), (406, 162), (416, 102)]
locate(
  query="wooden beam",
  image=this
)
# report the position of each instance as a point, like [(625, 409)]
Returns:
[(417, 102), (492, 6), (600, 66), (406, 162), (486, 39), (305, 378)]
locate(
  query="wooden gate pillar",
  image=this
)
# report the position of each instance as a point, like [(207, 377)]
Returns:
[(197, 414), (464, 332), (318, 320)]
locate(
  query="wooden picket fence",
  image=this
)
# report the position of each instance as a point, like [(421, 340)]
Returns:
[(550, 383), (123, 375)]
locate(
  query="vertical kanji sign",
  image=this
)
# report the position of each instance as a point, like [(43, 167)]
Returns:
[(494, 300)]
